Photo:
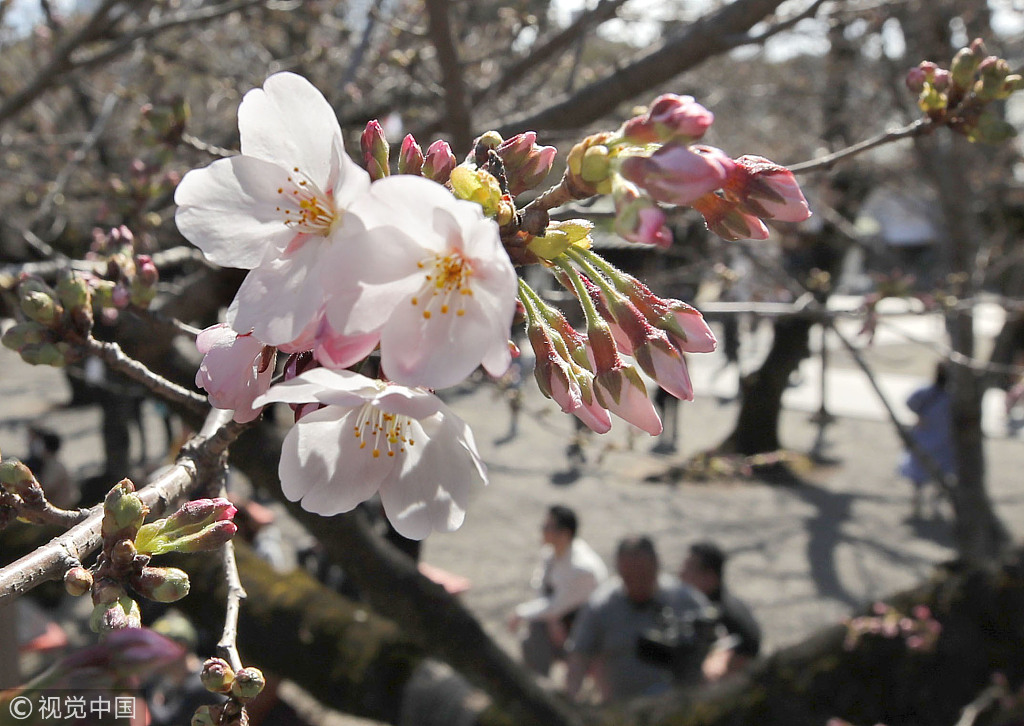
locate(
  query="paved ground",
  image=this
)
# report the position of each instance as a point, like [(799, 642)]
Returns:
[(802, 556)]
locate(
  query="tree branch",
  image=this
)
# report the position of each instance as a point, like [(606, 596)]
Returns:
[(458, 119), (703, 39), (917, 128), (69, 549)]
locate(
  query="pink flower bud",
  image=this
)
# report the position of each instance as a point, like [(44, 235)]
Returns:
[(235, 370), (678, 174), (725, 218), (670, 118), (767, 190), (622, 391), (526, 164), (146, 270), (410, 160), (638, 217), (375, 149), (438, 162)]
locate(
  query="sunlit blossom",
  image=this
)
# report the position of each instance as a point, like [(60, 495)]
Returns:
[(432, 277), (372, 437), (275, 208)]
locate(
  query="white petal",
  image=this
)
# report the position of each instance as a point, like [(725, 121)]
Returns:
[(290, 123), (437, 482), (229, 210), (436, 352), (312, 384), (366, 276), (337, 474), (282, 296)]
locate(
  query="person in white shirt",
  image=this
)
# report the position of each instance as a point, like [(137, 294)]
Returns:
[(569, 573)]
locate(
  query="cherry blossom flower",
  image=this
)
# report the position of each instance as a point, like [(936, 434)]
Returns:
[(373, 436), (432, 277), (235, 370), (277, 207)]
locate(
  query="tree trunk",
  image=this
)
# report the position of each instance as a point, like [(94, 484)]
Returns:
[(757, 426)]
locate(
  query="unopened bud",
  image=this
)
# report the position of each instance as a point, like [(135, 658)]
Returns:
[(248, 684), (410, 160), (145, 270), (477, 185), (26, 333), (596, 165), (77, 581), (579, 185), (140, 294), (199, 525), (438, 162), (122, 554), (124, 613), (965, 63), (163, 584), (993, 72), (73, 290), (217, 675), (123, 512), (103, 293), (526, 164), (38, 301), (375, 150), (16, 476)]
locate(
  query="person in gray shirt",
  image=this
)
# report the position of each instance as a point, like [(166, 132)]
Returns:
[(605, 638)]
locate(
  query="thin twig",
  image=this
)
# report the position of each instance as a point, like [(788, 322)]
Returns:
[(115, 357), (918, 128), (227, 646), (946, 482)]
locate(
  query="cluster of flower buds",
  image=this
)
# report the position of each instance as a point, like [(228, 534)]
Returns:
[(123, 566), (961, 97), (22, 497), (242, 686), (128, 278), (653, 158), (60, 317), (55, 317), (132, 195), (919, 630), (586, 374), (436, 163)]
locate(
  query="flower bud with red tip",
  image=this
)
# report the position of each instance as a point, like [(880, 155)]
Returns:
[(767, 190), (670, 118), (438, 162), (410, 159), (678, 174), (376, 150), (526, 164)]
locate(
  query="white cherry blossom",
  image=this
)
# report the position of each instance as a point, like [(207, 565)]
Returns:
[(277, 207), (374, 436), (432, 276)]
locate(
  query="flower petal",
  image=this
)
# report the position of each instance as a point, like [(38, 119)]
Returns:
[(437, 481), (289, 122), (229, 210)]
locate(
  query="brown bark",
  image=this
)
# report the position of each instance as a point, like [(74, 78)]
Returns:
[(709, 36), (757, 425)]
